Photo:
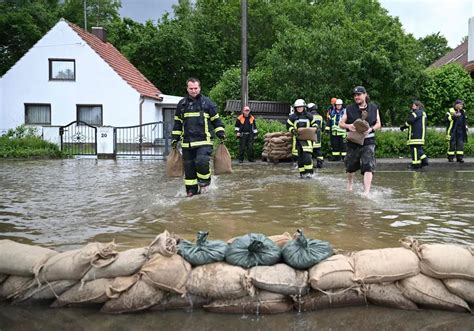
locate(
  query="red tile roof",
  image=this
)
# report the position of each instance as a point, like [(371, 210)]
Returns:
[(458, 55), (119, 63)]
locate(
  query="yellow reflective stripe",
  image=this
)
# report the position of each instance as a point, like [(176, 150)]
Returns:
[(206, 176), (192, 114), (214, 117), (343, 153), (415, 141), (177, 132), (190, 182), (423, 157), (309, 166), (290, 122), (176, 118), (219, 128), (199, 143), (451, 152), (459, 152), (317, 145), (301, 169)]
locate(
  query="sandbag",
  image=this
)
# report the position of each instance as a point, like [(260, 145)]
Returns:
[(165, 244), (93, 292), (139, 297), (356, 137), (307, 133), (334, 272), (74, 264), (174, 163), (219, 281), (280, 278), (463, 288), (44, 292), (384, 265), (281, 239), (361, 125), (251, 250), (431, 293), (15, 285), (302, 253), (172, 301), (20, 259), (388, 295), (222, 161), (127, 263), (316, 300), (204, 251), (262, 303), (168, 273)]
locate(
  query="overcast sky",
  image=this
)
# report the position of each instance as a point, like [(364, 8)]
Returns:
[(419, 17)]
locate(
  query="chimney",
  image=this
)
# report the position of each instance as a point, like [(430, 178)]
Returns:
[(100, 33), (470, 41)]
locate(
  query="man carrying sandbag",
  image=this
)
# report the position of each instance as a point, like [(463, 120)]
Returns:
[(416, 125), (361, 156), (336, 134), (300, 119), (192, 122), (246, 131)]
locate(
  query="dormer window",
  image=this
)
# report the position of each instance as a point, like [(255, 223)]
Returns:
[(62, 69)]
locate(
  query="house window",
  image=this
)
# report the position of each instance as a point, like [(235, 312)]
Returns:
[(61, 69), (91, 114), (38, 114)]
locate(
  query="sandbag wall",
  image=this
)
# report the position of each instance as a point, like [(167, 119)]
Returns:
[(414, 276), (277, 146)]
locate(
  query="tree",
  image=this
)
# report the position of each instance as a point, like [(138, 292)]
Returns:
[(99, 12), (432, 47)]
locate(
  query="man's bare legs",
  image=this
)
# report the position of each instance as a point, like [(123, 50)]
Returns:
[(350, 180), (367, 182)]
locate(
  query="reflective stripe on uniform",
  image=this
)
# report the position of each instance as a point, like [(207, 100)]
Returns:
[(177, 132), (206, 176), (190, 182), (176, 118), (214, 117)]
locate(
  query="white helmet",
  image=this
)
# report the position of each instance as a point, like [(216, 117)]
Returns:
[(339, 102), (310, 105), (299, 103)]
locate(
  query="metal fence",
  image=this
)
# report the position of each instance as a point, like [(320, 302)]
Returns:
[(150, 139), (78, 138)]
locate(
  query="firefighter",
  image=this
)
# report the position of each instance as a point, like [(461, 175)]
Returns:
[(317, 153), (195, 115), (456, 132), (246, 131), (416, 125), (301, 118), (337, 135)]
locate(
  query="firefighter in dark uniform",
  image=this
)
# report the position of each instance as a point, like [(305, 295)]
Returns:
[(337, 134), (246, 131), (195, 115), (301, 118), (416, 125), (456, 132), (320, 124)]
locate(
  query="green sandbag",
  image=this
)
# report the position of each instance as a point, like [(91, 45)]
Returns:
[(302, 253), (204, 251), (251, 250)]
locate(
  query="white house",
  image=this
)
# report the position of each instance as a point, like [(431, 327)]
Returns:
[(70, 75)]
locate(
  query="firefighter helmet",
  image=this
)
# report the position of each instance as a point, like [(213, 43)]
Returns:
[(299, 103)]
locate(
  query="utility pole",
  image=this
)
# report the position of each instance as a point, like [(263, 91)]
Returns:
[(244, 98), (85, 15)]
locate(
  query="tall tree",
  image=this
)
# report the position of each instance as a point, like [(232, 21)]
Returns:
[(432, 47)]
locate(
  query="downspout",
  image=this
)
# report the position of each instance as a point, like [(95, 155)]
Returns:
[(140, 139)]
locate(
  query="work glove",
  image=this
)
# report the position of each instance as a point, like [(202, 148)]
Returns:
[(403, 127), (221, 136), (294, 132), (174, 143)]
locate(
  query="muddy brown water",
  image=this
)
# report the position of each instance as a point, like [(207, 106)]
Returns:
[(64, 204)]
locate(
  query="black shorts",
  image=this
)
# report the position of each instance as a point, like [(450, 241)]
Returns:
[(360, 157)]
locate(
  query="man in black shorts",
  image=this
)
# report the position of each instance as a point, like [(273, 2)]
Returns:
[(361, 156)]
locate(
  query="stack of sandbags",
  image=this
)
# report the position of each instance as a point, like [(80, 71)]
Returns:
[(277, 146)]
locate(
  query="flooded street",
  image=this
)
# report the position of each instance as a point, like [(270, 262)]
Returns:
[(64, 204)]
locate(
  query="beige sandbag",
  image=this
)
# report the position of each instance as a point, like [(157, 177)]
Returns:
[(280, 278), (307, 133), (168, 273), (281, 239), (126, 264), (176, 301), (140, 296), (222, 161), (384, 265), (262, 303), (44, 292), (93, 292), (20, 259), (174, 163), (356, 137), (461, 287), (317, 300), (277, 140), (120, 285), (73, 265), (334, 272), (165, 244), (15, 285), (388, 295), (361, 126), (431, 293), (219, 281)]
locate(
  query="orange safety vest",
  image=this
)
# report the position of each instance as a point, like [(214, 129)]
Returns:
[(242, 119)]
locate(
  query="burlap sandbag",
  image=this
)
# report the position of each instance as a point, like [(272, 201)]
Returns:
[(335, 272), (431, 293), (14, 286), (281, 239), (388, 295), (356, 137), (219, 281), (307, 133), (20, 259), (168, 273), (44, 292), (280, 278), (165, 244), (139, 297), (174, 163), (317, 300), (127, 263), (384, 265), (262, 303), (73, 265), (277, 140), (222, 161), (361, 125), (461, 287), (176, 301), (93, 292)]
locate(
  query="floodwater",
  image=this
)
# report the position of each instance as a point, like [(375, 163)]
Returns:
[(64, 204)]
